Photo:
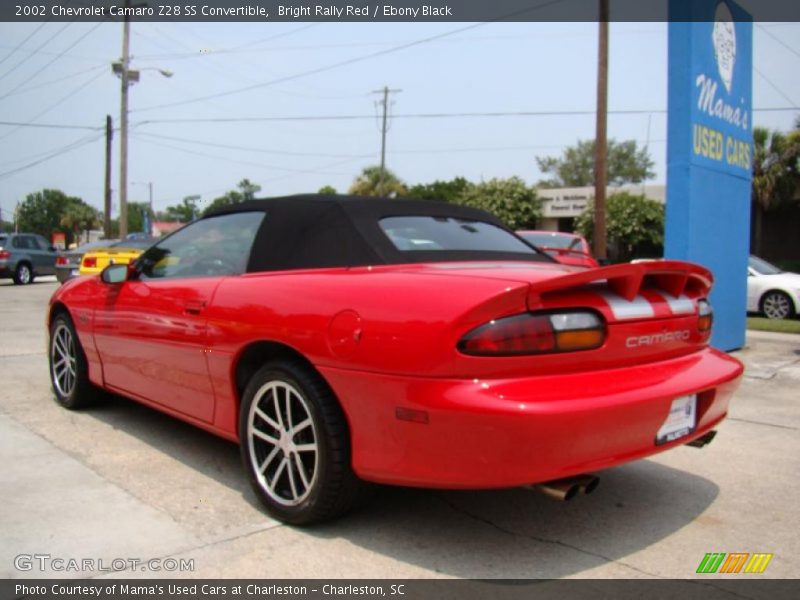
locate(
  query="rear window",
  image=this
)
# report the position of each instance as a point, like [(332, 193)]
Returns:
[(3, 240), (553, 240), (426, 233)]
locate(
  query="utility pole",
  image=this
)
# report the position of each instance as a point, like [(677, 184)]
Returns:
[(384, 128), (127, 77), (151, 216), (107, 203), (123, 126), (601, 143)]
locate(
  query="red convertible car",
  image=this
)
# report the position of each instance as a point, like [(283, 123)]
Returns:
[(347, 340)]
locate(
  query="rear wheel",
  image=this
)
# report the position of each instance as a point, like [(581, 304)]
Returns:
[(295, 445), (69, 374), (23, 275), (777, 305)]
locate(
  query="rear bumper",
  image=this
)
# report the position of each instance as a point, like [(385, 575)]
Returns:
[(66, 273), (505, 433)]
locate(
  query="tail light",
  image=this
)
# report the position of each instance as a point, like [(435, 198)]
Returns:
[(62, 261), (705, 316), (536, 333), (89, 262), (5, 254)]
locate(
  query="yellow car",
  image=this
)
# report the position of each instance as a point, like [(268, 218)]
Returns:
[(118, 253)]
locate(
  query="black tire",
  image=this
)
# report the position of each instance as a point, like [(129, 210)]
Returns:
[(777, 305), (69, 374), (296, 485), (23, 274)]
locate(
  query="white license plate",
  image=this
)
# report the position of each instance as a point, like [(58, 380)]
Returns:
[(75, 272), (680, 421)]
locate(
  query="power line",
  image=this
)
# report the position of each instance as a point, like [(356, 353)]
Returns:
[(48, 125), (38, 155), (773, 85), (55, 58), (238, 50), (343, 63), (241, 162), (245, 148), (52, 81), (22, 43), (52, 106), (365, 117), (276, 36), (55, 154), (521, 148), (24, 60), (777, 39), (440, 115)]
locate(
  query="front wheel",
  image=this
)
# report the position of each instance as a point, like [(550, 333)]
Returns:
[(295, 445), (69, 373), (777, 305)]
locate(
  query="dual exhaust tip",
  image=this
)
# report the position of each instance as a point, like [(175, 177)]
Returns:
[(567, 488)]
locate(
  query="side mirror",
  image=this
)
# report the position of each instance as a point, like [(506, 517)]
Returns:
[(114, 274)]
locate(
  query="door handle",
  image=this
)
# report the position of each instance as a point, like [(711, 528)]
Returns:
[(194, 308)]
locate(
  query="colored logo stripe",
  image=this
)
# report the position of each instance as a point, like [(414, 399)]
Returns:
[(734, 562), (714, 562), (758, 563), (711, 562)]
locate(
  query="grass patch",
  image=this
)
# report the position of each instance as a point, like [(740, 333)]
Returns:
[(778, 326)]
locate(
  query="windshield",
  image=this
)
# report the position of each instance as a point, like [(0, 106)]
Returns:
[(448, 233), (762, 267)]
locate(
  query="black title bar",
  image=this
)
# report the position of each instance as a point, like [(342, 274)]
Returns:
[(363, 11)]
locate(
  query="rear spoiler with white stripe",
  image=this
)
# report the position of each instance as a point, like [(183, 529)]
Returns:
[(676, 278)]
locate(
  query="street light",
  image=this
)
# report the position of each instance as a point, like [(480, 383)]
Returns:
[(127, 76), (150, 213)]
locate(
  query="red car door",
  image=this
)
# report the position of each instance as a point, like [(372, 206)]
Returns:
[(151, 336), (150, 331)]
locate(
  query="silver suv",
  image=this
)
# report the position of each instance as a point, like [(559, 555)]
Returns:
[(24, 256)]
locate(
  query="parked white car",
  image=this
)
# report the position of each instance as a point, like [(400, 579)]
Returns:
[(770, 291)]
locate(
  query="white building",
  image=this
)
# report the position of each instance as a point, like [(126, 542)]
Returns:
[(560, 206)]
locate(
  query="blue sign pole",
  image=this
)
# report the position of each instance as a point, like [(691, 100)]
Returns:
[(710, 152)]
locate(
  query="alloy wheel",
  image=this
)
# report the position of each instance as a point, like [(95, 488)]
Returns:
[(283, 443), (63, 357), (777, 306), (24, 274)]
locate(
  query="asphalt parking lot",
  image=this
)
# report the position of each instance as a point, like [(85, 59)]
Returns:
[(123, 481)]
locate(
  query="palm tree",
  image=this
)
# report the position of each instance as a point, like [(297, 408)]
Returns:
[(775, 174), (369, 183), (80, 217)]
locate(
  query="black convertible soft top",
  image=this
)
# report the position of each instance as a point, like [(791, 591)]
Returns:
[(319, 230)]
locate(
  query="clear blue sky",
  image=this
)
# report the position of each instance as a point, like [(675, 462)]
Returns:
[(64, 77)]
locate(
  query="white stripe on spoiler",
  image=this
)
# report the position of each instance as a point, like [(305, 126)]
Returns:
[(637, 308), (640, 307), (680, 305)]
